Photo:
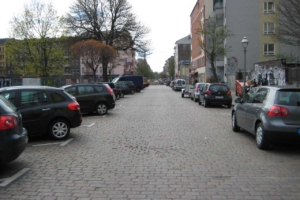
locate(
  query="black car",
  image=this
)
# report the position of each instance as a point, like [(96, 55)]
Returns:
[(98, 98), (215, 94), (45, 110), (117, 92), (13, 140), (123, 87), (130, 85)]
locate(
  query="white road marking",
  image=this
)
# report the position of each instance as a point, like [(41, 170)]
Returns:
[(66, 142), (92, 124), (5, 182), (47, 144)]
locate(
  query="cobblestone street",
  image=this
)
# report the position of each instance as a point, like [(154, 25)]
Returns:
[(156, 145)]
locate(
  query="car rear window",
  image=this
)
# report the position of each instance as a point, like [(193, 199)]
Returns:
[(289, 98), (57, 97), (8, 105), (218, 88)]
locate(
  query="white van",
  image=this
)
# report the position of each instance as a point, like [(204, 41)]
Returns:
[(179, 84)]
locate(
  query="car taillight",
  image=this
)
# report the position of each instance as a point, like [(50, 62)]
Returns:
[(229, 93), (110, 90), (8, 122), (74, 106), (278, 111), (208, 92)]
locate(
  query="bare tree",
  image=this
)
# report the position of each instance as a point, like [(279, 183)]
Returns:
[(288, 21), (36, 47), (212, 35), (109, 21)]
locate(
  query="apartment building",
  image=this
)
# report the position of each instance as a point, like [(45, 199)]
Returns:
[(244, 18), (182, 55), (2, 57), (201, 11), (125, 63)]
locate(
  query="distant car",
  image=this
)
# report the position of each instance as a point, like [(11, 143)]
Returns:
[(167, 83), (45, 110), (271, 113), (179, 84), (136, 79), (117, 92), (92, 98), (13, 139), (123, 87), (130, 85), (215, 94), (196, 91)]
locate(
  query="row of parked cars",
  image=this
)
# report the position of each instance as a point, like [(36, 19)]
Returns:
[(27, 111), (270, 113)]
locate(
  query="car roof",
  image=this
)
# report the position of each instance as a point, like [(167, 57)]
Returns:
[(29, 87)]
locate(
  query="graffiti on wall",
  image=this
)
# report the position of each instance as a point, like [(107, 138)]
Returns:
[(231, 66), (274, 75)]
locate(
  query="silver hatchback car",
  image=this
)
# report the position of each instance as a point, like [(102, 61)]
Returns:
[(271, 113)]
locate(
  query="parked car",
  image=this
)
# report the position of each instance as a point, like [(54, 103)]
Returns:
[(179, 84), (172, 84), (136, 79), (130, 85), (117, 92), (196, 91), (93, 98), (271, 113), (45, 110), (13, 140), (123, 87), (187, 91), (215, 94), (167, 82)]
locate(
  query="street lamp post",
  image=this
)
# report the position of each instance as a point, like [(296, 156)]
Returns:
[(245, 44)]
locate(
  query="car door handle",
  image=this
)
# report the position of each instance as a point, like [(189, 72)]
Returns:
[(46, 109)]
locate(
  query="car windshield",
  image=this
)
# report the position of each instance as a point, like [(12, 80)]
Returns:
[(289, 98), (115, 79)]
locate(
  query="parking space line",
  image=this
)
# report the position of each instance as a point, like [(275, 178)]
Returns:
[(91, 125), (38, 145), (66, 142), (11, 179)]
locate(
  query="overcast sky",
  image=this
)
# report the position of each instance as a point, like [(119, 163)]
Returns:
[(169, 21)]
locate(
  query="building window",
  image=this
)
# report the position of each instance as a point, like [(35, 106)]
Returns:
[(269, 49), (82, 69), (269, 28), (269, 7)]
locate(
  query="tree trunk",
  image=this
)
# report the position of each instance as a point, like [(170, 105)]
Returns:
[(105, 65), (214, 72)]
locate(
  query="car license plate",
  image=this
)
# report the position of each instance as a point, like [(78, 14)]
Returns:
[(298, 130), (219, 97)]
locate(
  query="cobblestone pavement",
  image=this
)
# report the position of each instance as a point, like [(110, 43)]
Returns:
[(157, 145)]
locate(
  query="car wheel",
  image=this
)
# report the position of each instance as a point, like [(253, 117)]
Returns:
[(261, 140), (229, 105), (191, 97), (235, 127), (205, 103), (195, 99), (59, 129), (199, 102), (122, 95), (132, 91), (117, 97), (101, 109), (138, 89)]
